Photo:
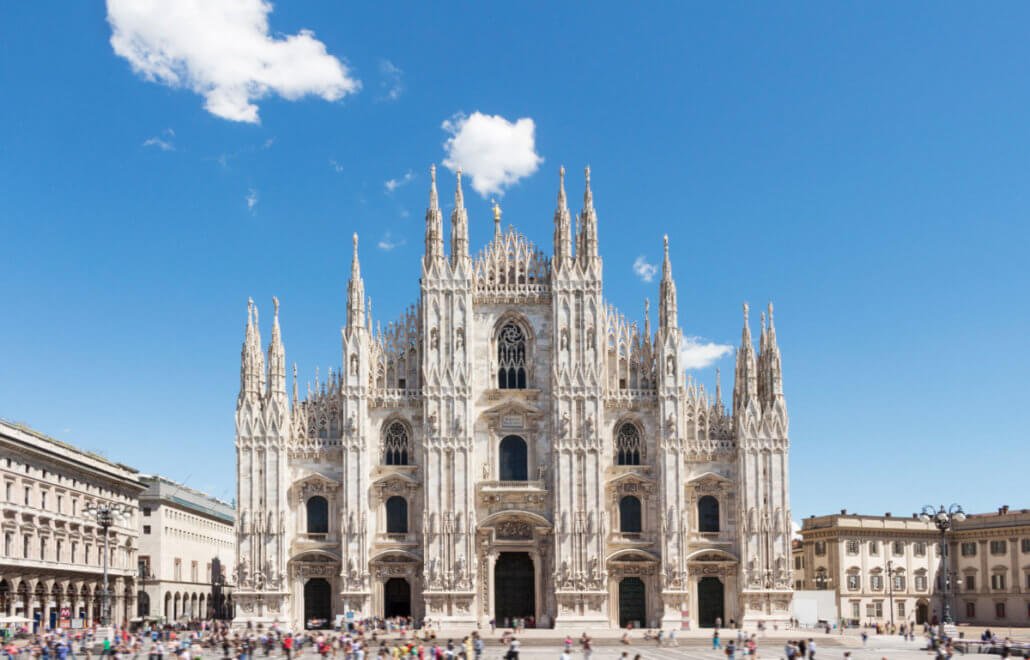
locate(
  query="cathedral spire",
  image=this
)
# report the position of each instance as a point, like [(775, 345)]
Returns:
[(647, 319), (295, 397), (718, 387), (667, 314), (586, 246), (745, 383), (247, 372), (355, 293), (276, 357), (459, 226), (774, 367), (434, 224), (497, 220), (562, 225)]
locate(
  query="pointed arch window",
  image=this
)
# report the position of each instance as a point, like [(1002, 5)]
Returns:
[(629, 449), (397, 448), (511, 358)]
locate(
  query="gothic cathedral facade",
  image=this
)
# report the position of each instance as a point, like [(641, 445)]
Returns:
[(512, 448)]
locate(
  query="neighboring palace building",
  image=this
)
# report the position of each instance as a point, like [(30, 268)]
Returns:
[(51, 565), (885, 568), (186, 551), (512, 447)]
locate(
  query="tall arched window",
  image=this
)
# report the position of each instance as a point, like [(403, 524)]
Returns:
[(318, 515), (396, 515), (629, 449), (514, 464), (396, 445), (708, 514), (630, 515), (511, 358)]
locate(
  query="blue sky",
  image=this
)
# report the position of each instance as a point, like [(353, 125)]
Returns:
[(863, 165)]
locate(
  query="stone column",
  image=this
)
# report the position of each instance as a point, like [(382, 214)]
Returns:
[(538, 584), (48, 593), (491, 563)]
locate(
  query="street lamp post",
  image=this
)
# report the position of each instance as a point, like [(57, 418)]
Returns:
[(890, 587), (943, 519), (106, 516)]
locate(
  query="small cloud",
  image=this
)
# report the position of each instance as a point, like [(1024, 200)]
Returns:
[(404, 213), (387, 242), (493, 151), (392, 85), (225, 52), (696, 353), (394, 184), (268, 143), (644, 270), (252, 199), (162, 142), (336, 166)]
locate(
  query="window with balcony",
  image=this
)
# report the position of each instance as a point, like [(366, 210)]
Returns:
[(630, 515), (708, 514), (396, 515), (318, 515), (514, 459)]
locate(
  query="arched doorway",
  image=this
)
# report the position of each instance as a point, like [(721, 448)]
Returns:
[(514, 587), (396, 598), (632, 603), (318, 603), (709, 602), (922, 612)]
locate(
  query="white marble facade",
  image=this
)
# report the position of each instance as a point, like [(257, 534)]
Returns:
[(512, 446)]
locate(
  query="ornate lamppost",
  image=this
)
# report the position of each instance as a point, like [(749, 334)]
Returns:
[(106, 516), (944, 519)]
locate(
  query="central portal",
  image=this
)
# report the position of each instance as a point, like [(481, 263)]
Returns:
[(514, 588)]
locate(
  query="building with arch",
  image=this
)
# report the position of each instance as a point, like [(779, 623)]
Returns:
[(187, 551), (512, 447), (52, 552)]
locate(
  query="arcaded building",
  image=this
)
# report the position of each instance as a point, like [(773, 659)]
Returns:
[(512, 447)]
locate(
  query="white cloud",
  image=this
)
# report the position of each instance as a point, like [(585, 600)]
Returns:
[(392, 84), (163, 141), (394, 184), (336, 166), (222, 50), (696, 353), (493, 151), (387, 242), (644, 270), (252, 199), (795, 529)]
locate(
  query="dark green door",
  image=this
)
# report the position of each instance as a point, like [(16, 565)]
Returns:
[(709, 601), (632, 604)]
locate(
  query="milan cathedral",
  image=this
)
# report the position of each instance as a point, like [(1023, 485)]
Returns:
[(512, 447)]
